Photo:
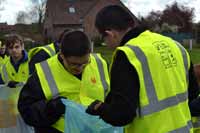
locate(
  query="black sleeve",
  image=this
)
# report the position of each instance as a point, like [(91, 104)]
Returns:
[(33, 105), (120, 105), (193, 88), (39, 57)]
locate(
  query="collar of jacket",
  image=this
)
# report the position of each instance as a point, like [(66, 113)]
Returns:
[(134, 32), (56, 46)]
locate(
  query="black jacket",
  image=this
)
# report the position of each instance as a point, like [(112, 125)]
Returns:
[(120, 105), (34, 108)]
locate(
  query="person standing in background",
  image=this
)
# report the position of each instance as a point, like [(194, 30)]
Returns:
[(16, 69), (3, 55), (39, 54)]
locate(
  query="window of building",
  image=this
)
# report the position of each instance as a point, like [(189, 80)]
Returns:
[(71, 9)]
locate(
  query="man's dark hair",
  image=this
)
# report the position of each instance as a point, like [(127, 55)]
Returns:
[(62, 34), (113, 17), (75, 43), (12, 39)]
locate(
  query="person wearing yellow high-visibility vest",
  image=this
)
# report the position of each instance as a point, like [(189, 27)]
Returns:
[(74, 73), (3, 55), (16, 68), (14, 73), (148, 77), (39, 54)]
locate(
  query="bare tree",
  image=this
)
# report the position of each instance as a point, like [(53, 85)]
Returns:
[(38, 11), (22, 17), (34, 15), (1, 5)]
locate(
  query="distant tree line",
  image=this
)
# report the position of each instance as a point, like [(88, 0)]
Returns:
[(175, 18)]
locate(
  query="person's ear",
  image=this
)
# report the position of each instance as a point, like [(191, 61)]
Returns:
[(109, 33), (112, 33)]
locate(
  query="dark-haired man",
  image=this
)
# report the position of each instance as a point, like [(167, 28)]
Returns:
[(74, 73), (149, 77), (16, 68)]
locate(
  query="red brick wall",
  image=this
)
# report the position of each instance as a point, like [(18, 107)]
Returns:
[(90, 18)]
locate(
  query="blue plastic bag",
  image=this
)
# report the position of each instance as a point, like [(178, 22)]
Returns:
[(77, 121)]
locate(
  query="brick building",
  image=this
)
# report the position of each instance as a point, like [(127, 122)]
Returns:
[(5, 28), (75, 14)]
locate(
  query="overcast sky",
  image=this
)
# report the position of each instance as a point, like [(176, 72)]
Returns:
[(138, 7), (10, 9)]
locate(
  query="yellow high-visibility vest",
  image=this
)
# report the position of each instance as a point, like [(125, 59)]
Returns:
[(9, 73), (162, 66), (50, 49), (3, 60), (56, 80)]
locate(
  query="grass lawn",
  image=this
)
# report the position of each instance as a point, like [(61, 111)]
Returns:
[(195, 55), (107, 53)]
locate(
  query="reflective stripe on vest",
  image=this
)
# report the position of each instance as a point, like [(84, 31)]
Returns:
[(50, 79), (184, 55), (5, 74), (52, 83), (154, 104), (102, 74), (9, 73), (48, 47)]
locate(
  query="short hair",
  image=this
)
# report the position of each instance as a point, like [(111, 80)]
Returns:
[(62, 34), (75, 43), (113, 17), (12, 39)]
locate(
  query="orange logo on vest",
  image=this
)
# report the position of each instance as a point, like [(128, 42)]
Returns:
[(93, 80)]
